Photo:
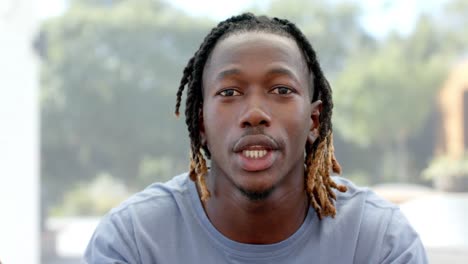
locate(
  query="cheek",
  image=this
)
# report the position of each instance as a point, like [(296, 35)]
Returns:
[(297, 127), (216, 121)]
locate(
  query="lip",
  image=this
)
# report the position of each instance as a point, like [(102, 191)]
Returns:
[(255, 142), (257, 164)]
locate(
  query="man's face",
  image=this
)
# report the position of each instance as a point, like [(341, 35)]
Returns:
[(257, 114)]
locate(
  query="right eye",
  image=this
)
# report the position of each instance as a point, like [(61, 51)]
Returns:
[(229, 92)]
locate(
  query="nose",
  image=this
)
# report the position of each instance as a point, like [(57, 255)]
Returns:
[(255, 115)]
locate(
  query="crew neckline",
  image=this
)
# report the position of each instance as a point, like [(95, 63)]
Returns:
[(251, 251)]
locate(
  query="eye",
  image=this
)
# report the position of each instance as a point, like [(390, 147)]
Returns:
[(282, 90), (229, 92)]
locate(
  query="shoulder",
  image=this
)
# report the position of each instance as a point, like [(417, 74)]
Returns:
[(157, 195), (115, 238), (360, 212), (373, 211), (159, 203), (383, 232), (365, 196), (363, 203)]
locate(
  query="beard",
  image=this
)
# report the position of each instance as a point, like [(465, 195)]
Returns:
[(256, 196)]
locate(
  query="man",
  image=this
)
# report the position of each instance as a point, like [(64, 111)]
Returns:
[(259, 107)]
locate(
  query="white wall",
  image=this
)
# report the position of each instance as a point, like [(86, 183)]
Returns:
[(19, 174)]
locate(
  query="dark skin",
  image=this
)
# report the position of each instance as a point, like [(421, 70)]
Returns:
[(257, 118)]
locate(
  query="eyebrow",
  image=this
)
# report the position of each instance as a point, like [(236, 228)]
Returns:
[(276, 70), (282, 71), (226, 73)]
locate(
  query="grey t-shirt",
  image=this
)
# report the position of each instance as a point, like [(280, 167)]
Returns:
[(166, 224)]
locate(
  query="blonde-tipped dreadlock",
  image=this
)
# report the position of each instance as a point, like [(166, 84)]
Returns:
[(198, 172), (320, 158), (319, 184)]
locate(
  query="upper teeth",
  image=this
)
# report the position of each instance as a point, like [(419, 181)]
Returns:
[(254, 153)]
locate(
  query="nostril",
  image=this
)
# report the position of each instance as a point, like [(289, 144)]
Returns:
[(249, 124), (264, 122)]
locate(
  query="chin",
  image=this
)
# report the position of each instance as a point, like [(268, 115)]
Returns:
[(256, 195)]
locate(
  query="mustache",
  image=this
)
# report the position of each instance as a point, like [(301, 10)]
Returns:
[(257, 136), (253, 131)]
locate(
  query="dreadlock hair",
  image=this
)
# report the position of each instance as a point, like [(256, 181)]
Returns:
[(320, 158)]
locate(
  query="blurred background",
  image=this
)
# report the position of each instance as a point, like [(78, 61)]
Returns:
[(87, 94)]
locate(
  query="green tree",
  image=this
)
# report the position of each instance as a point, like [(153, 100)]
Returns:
[(453, 20), (110, 70), (333, 28), (94, 198), (386, 94)]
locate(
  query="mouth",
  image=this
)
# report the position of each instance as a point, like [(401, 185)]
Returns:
[(256, 152), (254, 143)]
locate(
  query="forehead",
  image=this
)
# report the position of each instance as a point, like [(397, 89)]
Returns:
[(256, 49)]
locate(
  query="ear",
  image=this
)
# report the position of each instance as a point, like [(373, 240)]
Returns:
[(201, 126), (316, 109)]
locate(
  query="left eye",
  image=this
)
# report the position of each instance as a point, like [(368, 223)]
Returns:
[(281, 90), (229, 93)]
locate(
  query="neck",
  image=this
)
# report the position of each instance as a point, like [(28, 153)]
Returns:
[(265, 221)]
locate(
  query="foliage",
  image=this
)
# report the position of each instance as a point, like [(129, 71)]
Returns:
[(93, 199), (448, 173), (386, 94), (108, 82), (333, 29), (446, 166)]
